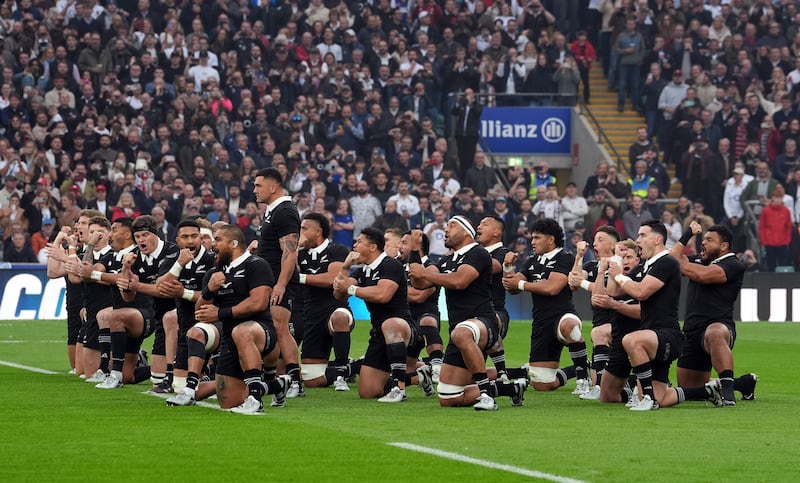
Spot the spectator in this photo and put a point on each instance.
(760, 189)
(20, 250)
(126, 207)
(480, 177)
(573, 207)
(634, 217)
(343, 223)
(391, 218)
(40, 239)
(366, 208)
(674, 228)
(69, 210)
(609, 217)
(775, 230)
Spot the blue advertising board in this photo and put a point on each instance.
(28, 294)
(527, 130)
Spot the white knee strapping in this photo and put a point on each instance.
(542, 374)
(574, 334)
(472, 326)
(449, 391)
(211, 334)
(313, 371)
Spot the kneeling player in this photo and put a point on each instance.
(555, 325)
(327, 321)
(394, 341)
(202, 339)
(467, 276)
(235, 293)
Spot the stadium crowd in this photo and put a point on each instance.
(130, 124)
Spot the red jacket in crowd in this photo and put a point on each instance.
(775, 226)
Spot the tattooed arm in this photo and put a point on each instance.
(288, 263)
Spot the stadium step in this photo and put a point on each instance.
(620, 127)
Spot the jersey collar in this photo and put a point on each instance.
(723, 257)
(374, 265)
(275, 203)
(121, 254)
(103, 251)
(239, 260)
(149, 259)
(196, 259)
(461, 251)
(314, 252)
(649, 263)
(492, 248)
(550, 255)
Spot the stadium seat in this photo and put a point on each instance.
(784, 269)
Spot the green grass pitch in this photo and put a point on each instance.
(57, 428)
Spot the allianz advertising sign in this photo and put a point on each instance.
(527, 130)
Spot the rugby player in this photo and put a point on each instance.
(605, 240)
(236, 292)
(277, 244)
(424, 306)
(394, 340)
(183, 283)
(466, 274)
(555, 323)
(327, 321)
(715, 280)
(652, 348)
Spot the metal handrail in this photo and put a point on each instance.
(751, 226)
(602, 137)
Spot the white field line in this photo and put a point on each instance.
(29, 368)
(484, 463)
(14, 341)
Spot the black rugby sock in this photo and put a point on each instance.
(192, 380)
(341, 348)
(516, 372)
(644, 373)
(726, 379)
(499, 360)
(118, 342)
(565, 373)
(600, 360)
(579, 356)
(255, 385)
(293, 370)
(141, 373)
(104, 338)
(396, 353)
(505, 388)
(484, 384)
(170, 373)
(431, 335)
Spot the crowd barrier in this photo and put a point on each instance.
(27, 294)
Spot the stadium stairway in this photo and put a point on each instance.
(620, 127)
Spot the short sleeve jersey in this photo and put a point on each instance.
(708, 302)
(599, 315)
(476, 299)
(390, 269)
(622, 324)
(74, 294)
(498, 291)
(320, 300)
(429, 305)
(191, 277)
(538, 268)
(278, 222)
(141, 301)
(660, 310)
(97, 296)
(241, 276)
(150, 267)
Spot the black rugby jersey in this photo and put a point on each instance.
(142, 302)
(622, 325)
(599, 315)
(431, 304)
(150, 267)
(538, 268)
(241, 276)
(281, 219)
(660, 310)
(708, 302)
(315, 261)
(498, 252)
(385, 267)
(476, 299)
(74, 295)
(97, 296)
(191, 278)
